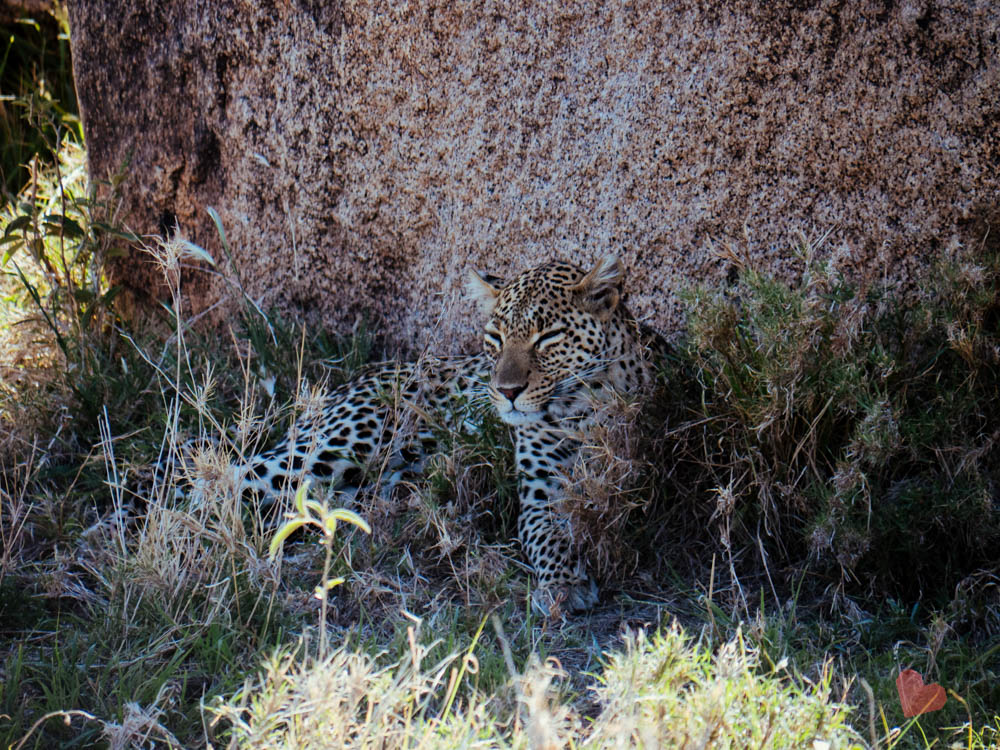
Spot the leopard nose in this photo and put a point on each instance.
(512, 393)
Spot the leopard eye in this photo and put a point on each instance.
(492, 339)
(543, 340)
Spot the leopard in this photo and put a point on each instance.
(557, 341)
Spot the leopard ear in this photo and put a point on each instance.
(600, 291)
(483, 289)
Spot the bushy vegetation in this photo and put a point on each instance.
(811, 507)
(35, 73)
(855, 428)
(663, 691)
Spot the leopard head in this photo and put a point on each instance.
(547, 332)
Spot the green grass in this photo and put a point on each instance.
(35, 73)
(810, 508)
(664, 691)
(858, 423)
(160, 620)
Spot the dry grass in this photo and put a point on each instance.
(134, 615)
(339, 700)
(609, 487)
(841, 426)
(156, 605)
(659, 692)
(15, 509)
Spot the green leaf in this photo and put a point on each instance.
(342, 514)
(284, 532)
(88, 316)
(317, 509)
(11, 250)
(67, 225)
(110, 295)
(320, 591)
(218, 225)
(300, 497)
(19, 223)
(115, 231)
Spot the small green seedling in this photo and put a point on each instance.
(313, 513)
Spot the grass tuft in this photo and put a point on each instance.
(813, 493)
(852, 429)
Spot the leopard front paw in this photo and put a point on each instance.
(552, 600)
(583, 596)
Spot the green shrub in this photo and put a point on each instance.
(663, 691)
(854, 427)
(36, 72)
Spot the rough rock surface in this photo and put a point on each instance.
(363, 154)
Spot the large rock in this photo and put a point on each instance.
(364, 154)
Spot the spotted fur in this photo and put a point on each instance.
(555, 340)
(382, 412)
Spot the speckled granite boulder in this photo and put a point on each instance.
(364, 154)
